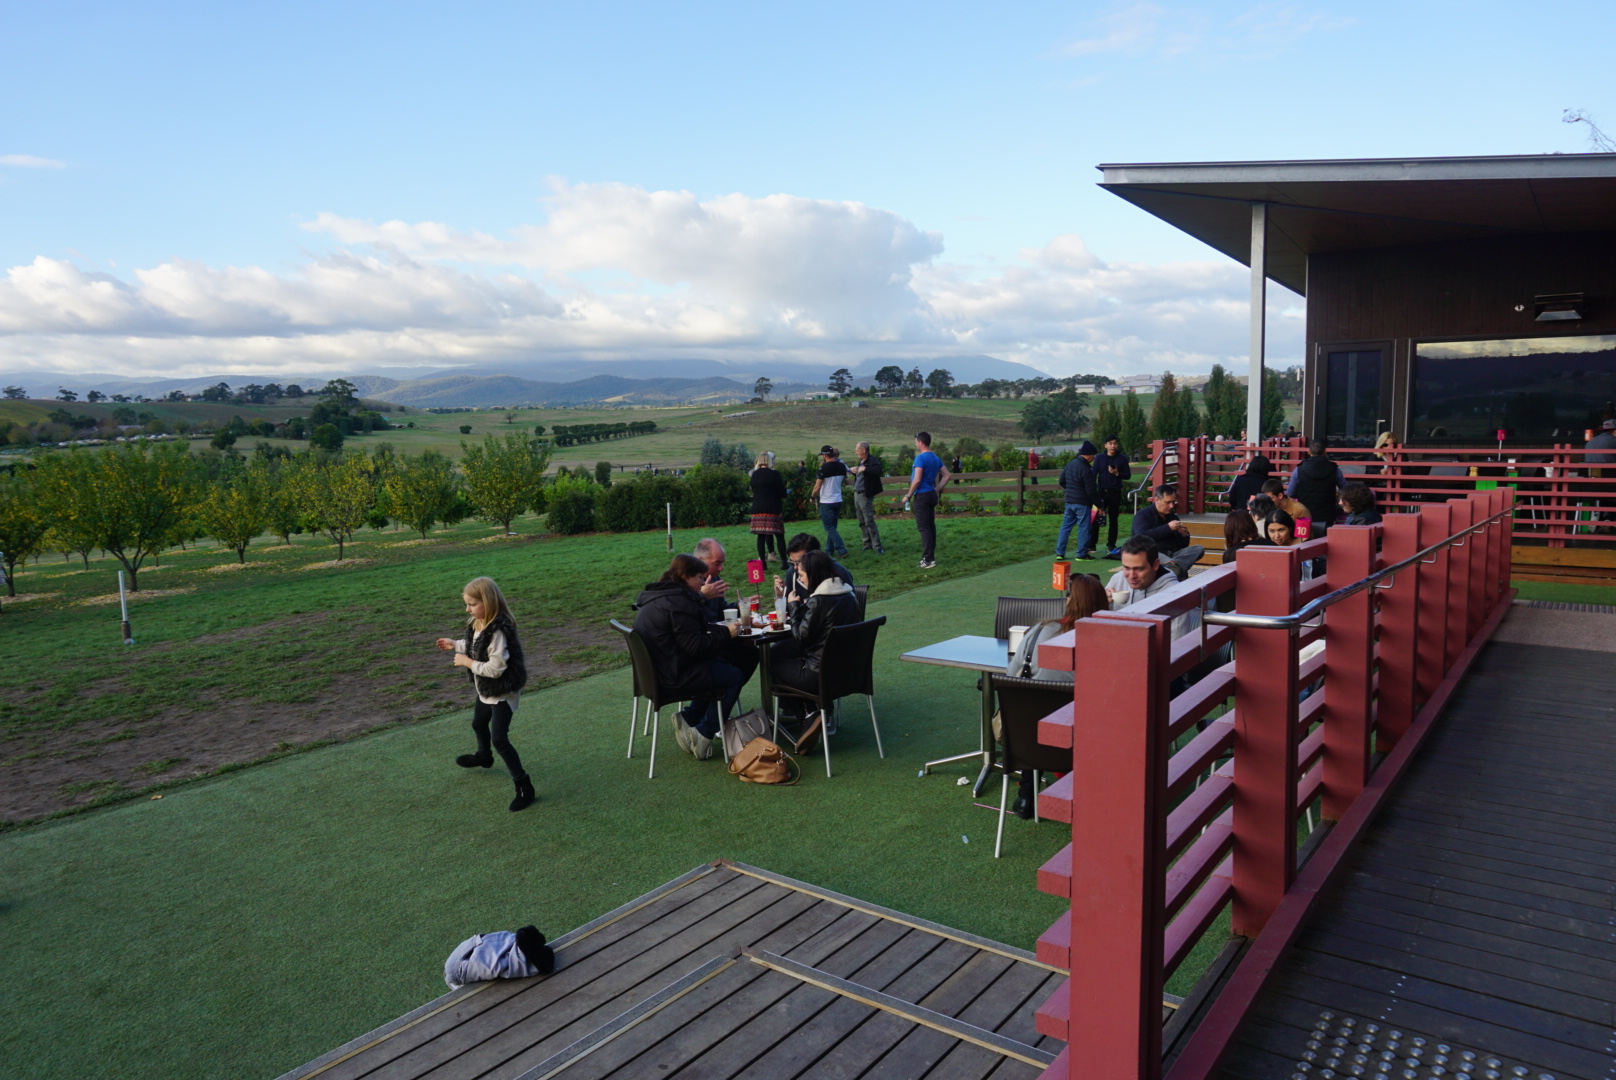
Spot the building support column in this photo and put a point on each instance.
(1259, 306)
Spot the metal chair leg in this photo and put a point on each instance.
(633, 722)
(645, 728)
(656, 725)
(1004, 801)
(878, 747)
(824, 737)
(1037, 785)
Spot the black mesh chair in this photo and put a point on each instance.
(1022, 703)
(634, 707)
(1025, 611)
(645, 686)
(861, 593)
(847, 666)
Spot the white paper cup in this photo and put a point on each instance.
(732, 614)
(1016, 634)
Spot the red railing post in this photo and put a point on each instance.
(1433, 618)
(1349, 650)
(1200, 473)
(1559, 500)
(1458, 581)
(1186, 475)
(1119, 786)
(1481, 554)
(1265, 738)
(1507, 558)
(1399, 629)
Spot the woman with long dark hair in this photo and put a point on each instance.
(688, 650)
(830, 604)
(1238, 531)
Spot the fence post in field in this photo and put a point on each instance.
(1265, 740)
(1399, 630)
(1349, 637)
(1119, 785)
(1435, 519)
(1021, 490)
(1458, 581)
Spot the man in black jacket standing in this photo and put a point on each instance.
(1111, 469)
(866, 486)
(1159, 521)
(1082, 492)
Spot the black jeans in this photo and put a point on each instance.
(924, 505)
(1111, 499)
(768, 541)
(497, 716)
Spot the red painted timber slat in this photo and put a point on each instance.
(1199, 754)
(1198, 808)
(1399, 629)
(1209, 849)
(1055, 944)
(1060, 1068)
(1184, 931)
(1054, 1016)
(1055, 876)
(1434, 519)
(1056, 728)
(1055, 801)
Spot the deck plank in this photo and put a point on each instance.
(1480, 908)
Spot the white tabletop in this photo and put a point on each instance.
(966, 651)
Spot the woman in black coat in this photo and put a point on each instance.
(768, 509)
(687, 650)
(830, 604)
(1250, 482)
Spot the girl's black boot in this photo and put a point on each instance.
(524, 794)
(475, 761)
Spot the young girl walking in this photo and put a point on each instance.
(491, 653)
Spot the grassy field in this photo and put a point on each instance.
(238, 663)
(250, 922)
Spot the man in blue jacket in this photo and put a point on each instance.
(1111, 469)
(1082, 492)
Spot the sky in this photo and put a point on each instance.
(191, 189)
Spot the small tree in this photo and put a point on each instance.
(421, 490)
(141, 498)
(1108, 419)
(326, 437)
(1135, 430)
(465, 429)
(841, 381)
(603, 473)
(940, 381)
(65, 488)
(503, 476)
(763, 387)
(237, 509)
(64, 394)
(22, 523)
(282, 513)
(337, 495)
(913, 382)
(890, 378)
(341, 392)
(1273, 405)
(15, 393)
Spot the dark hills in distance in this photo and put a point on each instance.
(672, 381)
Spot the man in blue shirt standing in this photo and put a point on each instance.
(929, 479)
(828, 492)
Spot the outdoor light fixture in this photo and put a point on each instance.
(1557, 307)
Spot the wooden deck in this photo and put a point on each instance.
(1473, 932)
(730, 971)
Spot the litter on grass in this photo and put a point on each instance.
(962, 781)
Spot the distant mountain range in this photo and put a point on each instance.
(575, 382)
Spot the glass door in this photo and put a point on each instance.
(1355, 401)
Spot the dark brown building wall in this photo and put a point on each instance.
(1466, 289)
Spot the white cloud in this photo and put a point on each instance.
(618, 271)
(29, 161)
(1143, 28)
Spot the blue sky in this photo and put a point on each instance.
(291, 187)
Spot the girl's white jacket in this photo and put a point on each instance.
(486, 956)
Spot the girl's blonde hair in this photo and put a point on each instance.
(764, 459)
(486, 591)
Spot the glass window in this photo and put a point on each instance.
(1352, 413)
(1539, 390)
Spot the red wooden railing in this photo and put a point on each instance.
(1164, 840)
(1560, 494)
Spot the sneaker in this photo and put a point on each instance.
(700, 745)
(683, 733)
(928, 564)
(880, 551)
(1085, 555)
(1114, 553)
(1060, 554)
(475, 761)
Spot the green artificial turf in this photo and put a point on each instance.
(247, 923)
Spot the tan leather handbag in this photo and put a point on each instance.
(762, 762)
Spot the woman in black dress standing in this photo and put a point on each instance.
(768, 509)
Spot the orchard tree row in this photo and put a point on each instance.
(137, 500)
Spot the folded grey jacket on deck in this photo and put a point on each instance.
(486, 956)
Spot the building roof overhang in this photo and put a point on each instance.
(1324, 206)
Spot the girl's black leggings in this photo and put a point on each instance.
(765, 541)
(498, 717)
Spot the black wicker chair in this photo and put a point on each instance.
(847, 666)
(645, 686)
(861, 593)
(634, 710)
(1022, 703)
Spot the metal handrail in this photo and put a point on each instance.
(1295, 619)
(1150, 472)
